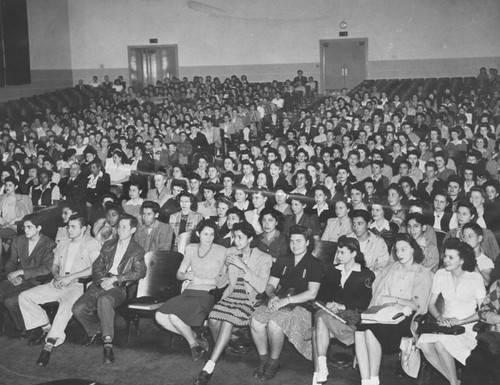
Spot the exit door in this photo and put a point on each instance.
(343, 63)
(149, 64)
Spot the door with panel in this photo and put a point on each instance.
(343, 63)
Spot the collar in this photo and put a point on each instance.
(385, 226)
(356, 267)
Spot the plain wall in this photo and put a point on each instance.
(266, 39)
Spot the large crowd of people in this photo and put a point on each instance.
(358, 200)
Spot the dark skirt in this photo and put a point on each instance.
(388, 335)
(192, 306)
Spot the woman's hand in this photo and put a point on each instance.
(448, 322)
(272, 303)
(280, 303)
(189, 276)
(334, 306)
(236, 261)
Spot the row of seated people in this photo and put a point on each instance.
(296, 277)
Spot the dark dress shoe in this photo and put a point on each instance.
(37, 337)
(203, 342)
(203, 378)
(108, 357)
(270, 371)
(197, 352)
(44, 358)
(92, 340)
(259, 372)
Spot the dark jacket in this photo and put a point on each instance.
(131, 267)
(37, 266)
(74, 190)
(94, 195)
(357, 290)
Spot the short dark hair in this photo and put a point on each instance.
(12, 180)
(277, 215)
(474, 227)
(360, 213)
(246, 228)
(208, 223)
(132, 220)
(34, 218)
(80, 218)
(305, 232)
(237, 211)
(155, 206)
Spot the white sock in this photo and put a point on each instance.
(375, 380)
(366, 382)
(209, 367)
(46, 328)
(315, 376)
(322, 369)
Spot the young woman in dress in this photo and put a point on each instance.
(404, 282)
(463, 291)
(247, 273)
(202, 265)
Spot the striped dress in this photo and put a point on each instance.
(236, 308)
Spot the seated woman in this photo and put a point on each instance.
(186, 220)
(463, 292)
(134, 204)
(248, 271)
(347, 290)
(205, 261)
(473, 236)
(380, 225)
(271, 241)
(341, 225)
(404, 282)
(222, 205)
(298, 277)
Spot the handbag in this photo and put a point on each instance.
(410, 356)
(431, 328)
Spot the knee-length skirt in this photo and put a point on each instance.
(459, 346)
(236, 308)
(192, 306)
(389, 335)
(295, 323)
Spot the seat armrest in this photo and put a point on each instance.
(85, 281)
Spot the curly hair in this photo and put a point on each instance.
(465, 253)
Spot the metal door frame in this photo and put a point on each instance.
(322, 57)
(155, 46)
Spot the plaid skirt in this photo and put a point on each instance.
(236, 308)
(295, 323)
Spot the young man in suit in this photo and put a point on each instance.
(73, 258)
(153, 235)
(120, 260)
(29, 265)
